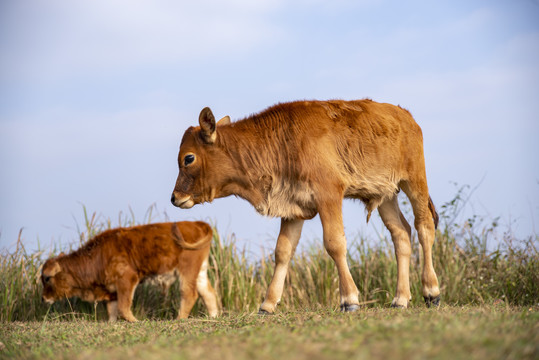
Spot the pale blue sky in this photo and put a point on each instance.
(95, 96)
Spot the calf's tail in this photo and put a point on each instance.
(178, 238)
(435, 216)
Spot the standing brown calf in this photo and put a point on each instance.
(109, 267)
(299, 159)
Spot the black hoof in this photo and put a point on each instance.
(395, 306)
(432, 301)
(349, 307)
(264, 312)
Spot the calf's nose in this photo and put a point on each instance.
(172, 199)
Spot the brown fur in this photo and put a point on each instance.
(299, 159)
(109, 267)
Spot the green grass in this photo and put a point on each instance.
(468, 274)
(490, 303)
(477, 332)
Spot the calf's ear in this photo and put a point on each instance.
(56, 268)
(207, 125)
(224, 121)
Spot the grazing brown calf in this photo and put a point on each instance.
(109, 267)
(299, 159)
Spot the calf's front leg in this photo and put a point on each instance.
(112, 310)
(126, 286)
(284, 250)
(335, 244)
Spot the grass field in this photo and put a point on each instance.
(469, 332)
(490, 305)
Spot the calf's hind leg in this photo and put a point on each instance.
(189, 295)
(206, 291)
(418, 194)
(400, 234)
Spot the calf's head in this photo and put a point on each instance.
(57, 284)
(202, 163)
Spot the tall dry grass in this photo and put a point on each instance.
(469, 270)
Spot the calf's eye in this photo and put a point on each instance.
(188, 159)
